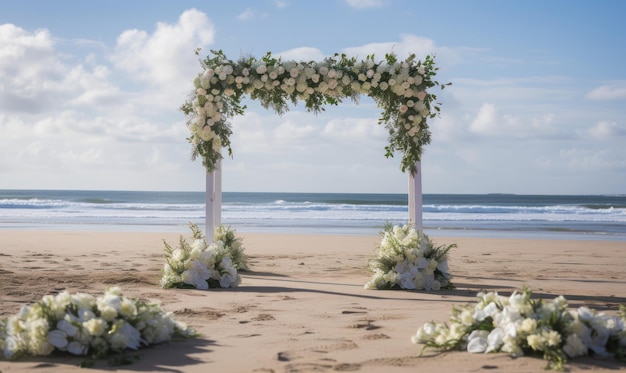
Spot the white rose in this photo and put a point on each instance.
(128, 308)
(96, 327)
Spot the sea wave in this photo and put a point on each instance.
(340, 211)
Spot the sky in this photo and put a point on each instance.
(90, 93)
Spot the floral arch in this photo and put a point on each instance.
(400, 89)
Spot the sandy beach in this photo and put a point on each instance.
(302, 306)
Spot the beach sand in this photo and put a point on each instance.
(302, 306)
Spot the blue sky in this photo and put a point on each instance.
(90, 91)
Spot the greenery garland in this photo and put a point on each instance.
(400, 89)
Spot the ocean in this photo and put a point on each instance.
(590, 217)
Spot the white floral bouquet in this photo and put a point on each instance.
(520, 325)
(408, 259)
(85, 325)
(203, 266)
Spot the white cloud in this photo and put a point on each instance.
(165, 57)
(448, 128)
(486, 120)
(489, 122)
(31, 71)
(408, 44)
(364, 131)
(613, 91)
(363, 4)
(246, 14)
(250, 13)
(302, 54)
(292, 134)
(604, 130)
(281, 4)
(586, 159)
(62, 119)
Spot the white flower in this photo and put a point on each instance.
(228, 280)
(77, 348)
(67, 327)
(407, 281)
(37, 337)
(536, 342)
(128, 308)
(477, 341)
(197, 275)
(109, 306)
(95, 327)
(124, 336)
(58, 339)
(495, 339)
(574, 346)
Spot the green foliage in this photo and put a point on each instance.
(393, 84)
(234, 245)
(408, 259)
(522, 325)
(221, 259)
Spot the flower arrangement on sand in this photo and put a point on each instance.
(200, 265)
(408, 259)
(81, 324)
(520, 325)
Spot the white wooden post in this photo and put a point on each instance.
(415, 196)
(213, 198)
(210, 206)
(217, 207)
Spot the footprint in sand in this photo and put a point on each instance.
(263, 317)
(373, 337)
(366, 325)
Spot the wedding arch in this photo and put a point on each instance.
(399, 87)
